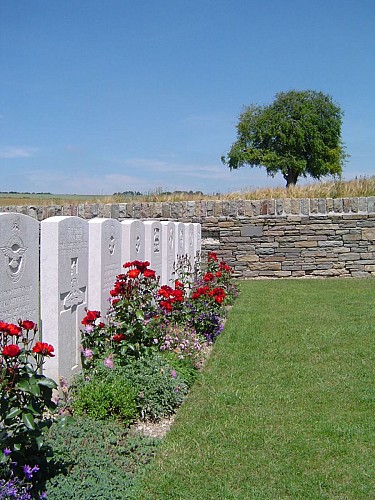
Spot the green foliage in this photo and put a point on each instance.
(25, 397)
(159, 389)
(95, 459)
(185, 367)
(299, 134)
(105, 398)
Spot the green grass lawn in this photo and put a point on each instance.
(285, 407)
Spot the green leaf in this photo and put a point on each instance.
(39, 441)
(24, 385)
(48, 382)
(28, 420)
(13, 412)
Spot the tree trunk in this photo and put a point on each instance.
(291, 178)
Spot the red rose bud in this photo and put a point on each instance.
(11, 351)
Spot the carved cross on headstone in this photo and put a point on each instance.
(70, 302)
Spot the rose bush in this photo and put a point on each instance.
(25, 401)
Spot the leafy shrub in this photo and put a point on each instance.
(25, 407)
(105, 398)
(159, 387)
(95, 460)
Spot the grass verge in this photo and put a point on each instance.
(285, 405)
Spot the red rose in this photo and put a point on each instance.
(92, 315)
(11, 351)
(212, 257)
(208, 277)
(28, 325)
(178, 284)
(133, 273)
(118, 337)
(149, 273)
(101, 324)
(4, 326)
(44, 349)
(218, 274)
(14, 330)
(128, 264)
(115, 301)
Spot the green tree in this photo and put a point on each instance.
(299, 134)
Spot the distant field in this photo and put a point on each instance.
(362, 186)
(49, 199)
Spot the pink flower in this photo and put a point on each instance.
(108, 362)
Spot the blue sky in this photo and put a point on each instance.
(100, 96)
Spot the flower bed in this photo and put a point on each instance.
(138, 362)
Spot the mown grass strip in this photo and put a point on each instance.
(285, 405)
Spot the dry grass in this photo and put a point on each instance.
(361, 186)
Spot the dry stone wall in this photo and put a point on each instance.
(263, 238)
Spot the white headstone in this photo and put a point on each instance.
(168, 230)
(64, 280)
(197, 240)
(153, 245)
(132, 241)
(104, 261)
(189, 242)
(19, 268)
(180, 239)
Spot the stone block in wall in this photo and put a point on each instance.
(352, 236)
(322, 207)
(32, 212)
(349, 256)
(266, 266)
(305, 244)
(354, 205)
(371, 204)
(295, 206)
(255, 204)
(251, 230)
(329, 205)
(368, 233)
(305, 206)
(122, 213)
(248, 258)
(346, 205)
(279, 207)
(115, 212)
(287, 206)
(338, 205)
(207, 208)
(248, 208)
(283, 274)
(313, 206)
(217, 209)
(362, 204)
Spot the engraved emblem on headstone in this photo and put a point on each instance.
(111, 244)
(75, 295)
(14, 253)
(138, 243)
(170, 238)
(156, 240)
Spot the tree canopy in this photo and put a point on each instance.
(299, 134)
